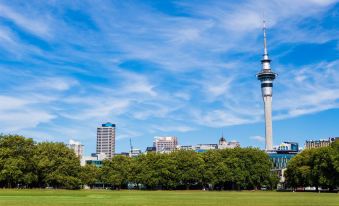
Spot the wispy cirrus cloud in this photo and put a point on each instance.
(258, 138)
(28, 22)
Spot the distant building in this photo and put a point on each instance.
(205, 147)
(106, 139)
(126, 154)
(281, 155)
(150, 149)
(288, 147)
(223, 144)
(135, 152)
(165, 144)
(94, 159)
(320, 143)
(185, 147)
(77, 147)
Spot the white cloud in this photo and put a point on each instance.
(172, 128)
(258, 138)
(316, 91)
(136, 83)
(220, 118)
(17, 114)
(29, 23)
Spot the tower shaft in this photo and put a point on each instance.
(268, 122)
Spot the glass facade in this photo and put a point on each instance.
(97, 163)
(280, 160)
(108, 124)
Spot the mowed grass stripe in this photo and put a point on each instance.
(162, 198)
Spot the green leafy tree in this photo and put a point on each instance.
(89, 175)
(155, 170)
(247, 168)
(149, 171)
(116, 171)
(167, 171)
(257, 166)
(334, 153)
(300, 171)
(314, 167)
(136, 168)
(189, 167)
(57, 166)
(16, 164)
(272, 181)
(325, 170)
(216, 171)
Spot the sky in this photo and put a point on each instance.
(167, 68)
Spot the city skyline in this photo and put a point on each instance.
(167, 68)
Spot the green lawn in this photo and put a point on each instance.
(159, 198)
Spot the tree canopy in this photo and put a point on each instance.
(317, 167)
(25, 163)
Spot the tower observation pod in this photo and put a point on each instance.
(266, 77)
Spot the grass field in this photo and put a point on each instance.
(162, 198)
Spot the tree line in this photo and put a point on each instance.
(317, 167)
(25, 163)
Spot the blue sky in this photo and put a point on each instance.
(183, 68)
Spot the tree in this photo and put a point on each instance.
(116, 171)
(89, 175)
(147, 171)
(216, 172)
(257, 166)
(247, 168)
(325, 170)
(16, 165)
(57, 166)
(189, 167)
(334, 154)
(136, 167)
(300, 170)
(314, 167)
(272, 181)
(167, 167)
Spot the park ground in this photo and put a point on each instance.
(37, 197)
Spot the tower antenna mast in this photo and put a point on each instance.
(130, 144)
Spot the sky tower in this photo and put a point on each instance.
(266, 77)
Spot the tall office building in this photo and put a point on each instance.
(77, 147)
(165, 144)
(106, 139)
(266, 77)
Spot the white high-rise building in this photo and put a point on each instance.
(266, 77)
(106, 139)
(165, 144)
(77, 147)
